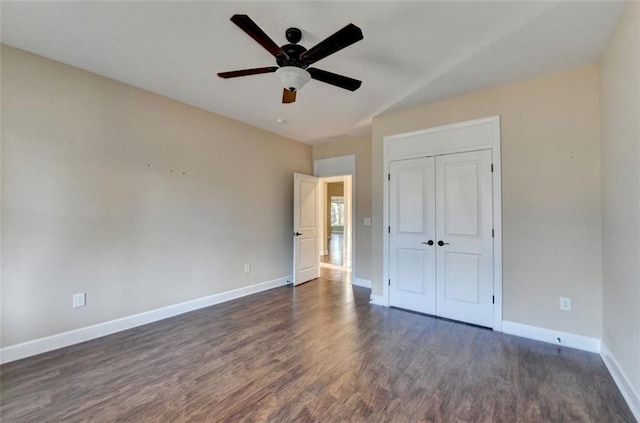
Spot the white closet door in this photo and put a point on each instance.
(464, 251)
(412, 226)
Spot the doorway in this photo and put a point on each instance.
(334, 248)
(336, 219)
(335, 170)
(323, 227)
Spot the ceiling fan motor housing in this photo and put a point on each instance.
(293, 51)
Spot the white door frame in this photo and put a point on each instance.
(341, 166)
(458, 137)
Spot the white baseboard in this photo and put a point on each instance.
(60, 340)
(629, 394)
(365, 283)
(377, 300)
(550, 336)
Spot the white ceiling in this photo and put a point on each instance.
(412, 53)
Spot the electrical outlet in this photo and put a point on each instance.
(565, 303)
(247, 268)
(79, 300)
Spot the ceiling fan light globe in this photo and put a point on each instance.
(293, 78)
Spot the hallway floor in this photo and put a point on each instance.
(336, 254)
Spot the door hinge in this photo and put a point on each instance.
(493, 233)
(491, 167)
(389, 282)
(388, 176)
(389, 229)
(493, 299)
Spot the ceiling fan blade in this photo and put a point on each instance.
(344, 38)
(334, 79)
(288, 96)
(247, 72)
(254, 31)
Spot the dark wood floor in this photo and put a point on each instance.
(318, 352)
(336, 253)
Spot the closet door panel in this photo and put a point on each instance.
(412, 225)
(464, 255)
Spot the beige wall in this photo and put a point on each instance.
(620, 67)
(138, 200)
(550, 188)
(335, 189)
(361, 148)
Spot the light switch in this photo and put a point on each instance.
(367, 221)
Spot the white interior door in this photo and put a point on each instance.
(464, 250)
(306, 228)
(412, 235)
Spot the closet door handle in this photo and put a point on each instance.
(430, 242)
(441, 243)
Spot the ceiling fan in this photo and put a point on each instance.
(293, 60)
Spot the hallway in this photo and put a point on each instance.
(336, 251)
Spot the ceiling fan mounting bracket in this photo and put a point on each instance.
(294, 35)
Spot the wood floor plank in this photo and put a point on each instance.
(315, 353)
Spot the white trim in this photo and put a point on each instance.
(410, 145)
(333, 179)
(65, 339)
(629, 394)
(551, 336)
(365, 283)
(378, 300)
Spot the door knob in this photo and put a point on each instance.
(297, 234)
(430, 242)
(441, 243)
